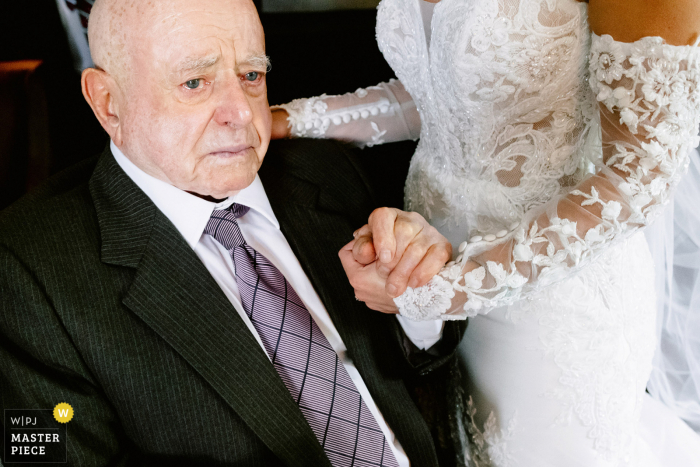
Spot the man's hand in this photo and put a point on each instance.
(408, 251)
(368, 284)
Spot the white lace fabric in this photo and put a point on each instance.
(375, 115)
(650, 111)
(547, 149)
(649, 108)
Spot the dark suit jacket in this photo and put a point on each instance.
(106, 307)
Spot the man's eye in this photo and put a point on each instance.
(252, 75)
(192, 84)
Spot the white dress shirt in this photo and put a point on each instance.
(190, 215)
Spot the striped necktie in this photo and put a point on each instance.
(301, 354)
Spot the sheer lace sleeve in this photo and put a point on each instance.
(379, 114)
(649, 106)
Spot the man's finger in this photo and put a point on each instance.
(381, 222)
(382, 308)
(348, 246)
(364, 230)
(363, 251)
(348, 261)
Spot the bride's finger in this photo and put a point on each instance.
(397, 281)
(404, 236)
(435, 258)
(408, 229)
(381, 223)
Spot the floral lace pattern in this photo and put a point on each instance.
(649, 93)
(508, 127)
(305, 117)
(369, 116)
(548, 148)
(428, 302)
(310, 117)
(490, 445)
(602, 311)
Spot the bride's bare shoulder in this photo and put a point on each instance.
(677, 21)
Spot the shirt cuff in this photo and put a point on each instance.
(423, 334)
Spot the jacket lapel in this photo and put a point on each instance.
(327, 199)
(175, 295)
(309, 207)
(363, 331)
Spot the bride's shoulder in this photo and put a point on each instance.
(677, 21)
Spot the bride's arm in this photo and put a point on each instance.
(649, 99)
(378, 114)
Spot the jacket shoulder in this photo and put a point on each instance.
(59, 210)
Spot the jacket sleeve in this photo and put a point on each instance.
(422, 362)
(40, 367)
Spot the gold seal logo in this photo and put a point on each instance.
(63, 413)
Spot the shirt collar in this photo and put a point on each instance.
(188, 213)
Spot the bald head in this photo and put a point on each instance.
(179, 86)
(111, 25)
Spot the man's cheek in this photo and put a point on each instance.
(266, 124)
(263, 126)
(178, 133)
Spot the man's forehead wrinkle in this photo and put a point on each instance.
(123, 29)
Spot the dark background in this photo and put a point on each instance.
(312, 53)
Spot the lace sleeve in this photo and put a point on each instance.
(379, 114)
(649, 106)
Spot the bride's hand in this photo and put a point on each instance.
(280, 126)
(408, 250)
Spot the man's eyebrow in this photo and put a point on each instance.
(195, 64)
(260, 61)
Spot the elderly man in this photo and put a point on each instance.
(188, 315)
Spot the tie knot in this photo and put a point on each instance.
(223, 226)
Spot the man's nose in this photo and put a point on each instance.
(233, 109)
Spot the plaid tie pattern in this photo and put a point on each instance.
(301, 354)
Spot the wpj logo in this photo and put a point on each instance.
(36, 435)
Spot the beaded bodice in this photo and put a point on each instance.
(540, 142)
(543, 150)
(505, 106)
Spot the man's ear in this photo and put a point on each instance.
(100, 91)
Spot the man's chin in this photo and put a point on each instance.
(220, 190)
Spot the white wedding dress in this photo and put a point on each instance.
(544, 150)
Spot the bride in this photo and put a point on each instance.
(545, 148)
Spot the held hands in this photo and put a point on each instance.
(395, 250)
